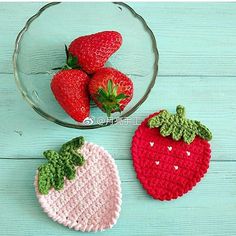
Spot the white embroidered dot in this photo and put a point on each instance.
(176, 167)
(169, 148)
(157, 162)
(188, 153)
(151, 144)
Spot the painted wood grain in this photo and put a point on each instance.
(209, 209)
(193, 38)
(197, 45)
(13, 17)
(209, 100)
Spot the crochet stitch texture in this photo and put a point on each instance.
(178, 126)
(60, 164)
(167, 168)
(91, 201)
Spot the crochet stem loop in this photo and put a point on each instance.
(180, 111)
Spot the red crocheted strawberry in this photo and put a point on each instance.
(111, 90)
(91, 52)
(170, 153)
(70, 88)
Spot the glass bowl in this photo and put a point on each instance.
(40, 47)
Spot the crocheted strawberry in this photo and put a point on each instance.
(79, 186)
(70, 88)
(170, 153)
(91, 52)
(111, 90)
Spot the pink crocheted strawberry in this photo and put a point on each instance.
(79, 186)
(170, 153)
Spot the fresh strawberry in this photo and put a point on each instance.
(70, 88)
(111, 90)
(91, 52)
(170, 154)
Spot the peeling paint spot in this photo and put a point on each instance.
(19, 132)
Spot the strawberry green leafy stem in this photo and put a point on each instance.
(71, 62)
(109, 98)
(60, 165)
(178, 126)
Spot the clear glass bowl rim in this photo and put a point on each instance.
(78, 126)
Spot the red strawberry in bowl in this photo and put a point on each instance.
(170, 154)
(70, 88)
(111, 90)
(91, 52)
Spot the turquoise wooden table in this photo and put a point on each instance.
(197, 45)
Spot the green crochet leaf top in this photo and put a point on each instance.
(178, 126)
(60, 165)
